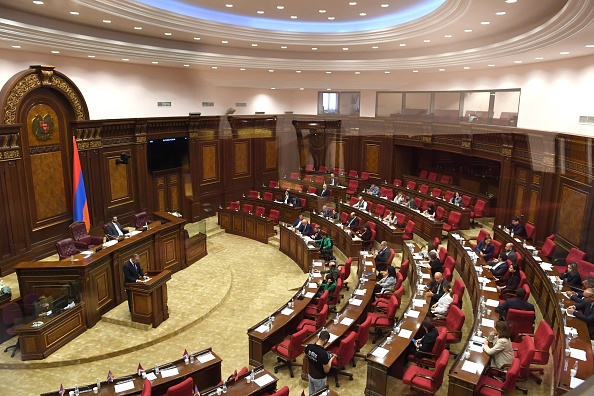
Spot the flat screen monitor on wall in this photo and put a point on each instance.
(169, 153)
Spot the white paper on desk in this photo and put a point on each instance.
(473, 367)
(356, 238)
(537, 259)
(575, 382)
(356, 302)
(369, 263)
(480, 340)
(264, 380)
(405, 333)
(312, 285)
(475, 348)
(577, 354)
(418, 302)
(553, 278)
(133, 233)
(568, 330)
(287, 311)
(309, 295)
(332, 338)
(363, 252)
(468, 249)
(260, 329)
(517, 240)
(413, 314)
(482, 279)
(380, 352)
(110, 243)
(87, 252)
(151, 376)
(425, 276)
(169, 372)
(360, 292)
(124, 386)
(207, 357)
(392, 227)
(492, 303)
(417, 256)
(488, 323)
(317, 275)
(546, 266)
(347, 321)
(490, 289)
(317, 263)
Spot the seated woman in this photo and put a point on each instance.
(385, 284)
(328, 284)
(425, 343)
(511, 282)
(399, 198)
(430, 211)
(411, 203)
(441, 308)
(390, 219)
(326, 246)
(502, 351)
(485, 249)
(572, 277)
(457, 199)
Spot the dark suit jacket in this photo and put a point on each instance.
(353, 223)
(574, 280)
(427, 343)
(514, 303)
(512, 256)
(366, 236)
(437, 291)
(307, 230)
(327, 213)
(383, 255)
(500, 270)
(487, 251)
(333, 182)
(111, 230)
(131, 274)
(512, 281)
(436, 266)
(287, 199)
(518, 230)
(325, 193)
(586, 314)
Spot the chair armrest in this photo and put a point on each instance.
(455, 332)
(522, 335)
(379, 317)
(80, 245)
(422, 376)
(491, 387)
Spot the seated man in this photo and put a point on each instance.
(485, 249)
(332, 271)
(297, 222)
(361, 203)
(305, 228)
(114, 229)
(365, 235)
(497, 267)
(326, 211)
(353, 222)
(328, 284)
(510, 251)
(435, 288)
(587, 310)
(434, 262)
(317, 234)
(374, 190)
(578, 296)
(295, 201)
(325, 191)
(517, 302)
(517, 228)
(333, 181)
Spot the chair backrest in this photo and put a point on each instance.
(29, 303)
(298, 187)
(309, 167)
(454, 219)
(439, 212)
(364, 175)
(543, 339)
(424, 189)
(520, 321)
(458, 288)
(363, 333)
(234, 205)
(585, 268)
(185, 388)
(548, 248)
(379, 209)
(11, 313)
(440, 342)
(322, 168)
(284, 391)
(411, 185)
(323, 300)
(398, 293)
(404, 270)
(248, 208)
(522, 281)
(308, 178)
(448, 195)
(424, 174)
(418, 202)
(400, 218)
(344, 217)
(353, 201)
(455, 318)
(303, 202)
(496, 247)
(442, 254)
(347, 267)
(426, 205)
(295, 344)
(446, 179)
(436, 243)
(336, 295)
(439, 370)
(436, 192)
(447, 274)
(78, 230)
(432, 176)
(525, 352)
(526, 288)
(66, 248)
(479, 208)
(353, 185)
(575, 255)
(294, 176)
(466, 200)
(369, 206)
(147, 388)
(529, 231)
(322, 317)
(392, 307)
(481, 235)
(311, 190)
(274, 215)
(392, 254)
(338, 171)
(353, 173)
(389, 193)
(260, 211)
(253, 194)
(450, 264)
(273, 184)
(319, 179)
(285, 185)
(511, 377)
(346, 350)
(268, 196)
(397, 182)
(410, 227)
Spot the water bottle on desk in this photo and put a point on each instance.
(156, 369)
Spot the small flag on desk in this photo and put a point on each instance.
(186, 354)
(303, 392)
(110, 376)
(62, 391)
(234, 376)
(196, 391)
(140, 370)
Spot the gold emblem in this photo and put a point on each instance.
(43, 127)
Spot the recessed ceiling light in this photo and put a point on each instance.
(168, 34)
(283, 47)
(301, 89)
(357, 72)
(491, 65)
(55, 52)
(328, 89)
(186, 65)
(242, 69)
(280, 7)
(375, 47)
(441, 69)
(16, 46)
(214, 67)
(564, 53)
(448, 36)
(331, 18)
(500, 13)
(345, 48)
(293, 16)
(352, 3)
(229, 5)
(260, 12)
(362, 13)
(485, 23)
(466, 67)
(322, 11)
(518, 61)
(74, 13)
(426, 41)
(137, 27)
(90, 56)
(254, 45)
(415, 71)
(589, 45)
(272, 88)
(402, 45)
(511, 1)
(125, 59)
(385, 5)
(38, 2)
(539, 58)
(297, 71)
(271, 70)
(328, 72)
(314, 48)
(106, 21)
(155, 62)
(196, 38)
(386, 72)
(467, 30)
(224, 42)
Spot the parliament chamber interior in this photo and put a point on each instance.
(197, 195)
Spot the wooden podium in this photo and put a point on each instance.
(149, 299)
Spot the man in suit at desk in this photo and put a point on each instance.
(517, 228)
(325, 191)
(114, 229)
(326, 211)
(435, 288)
(353, 222)
(587, 310)
(297, 222)
(374, 190)
(305, 228)
(516, 302)
(578, 296)
(498, 267)
(333, 181)
(133, 273)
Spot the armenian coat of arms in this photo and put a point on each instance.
(43, 127)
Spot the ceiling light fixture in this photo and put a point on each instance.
(38, 2)
(224, 42)
(328, 72)
(499, 13)
(491, 65)
(485, 23)
(242, 68)
(322, 11)
(272, 88)
(301, 89)
(280, 7)
(314, 48)
(448, 36)
(155, 62)
(297, 71)
(385, 5)
(328, 89)
(271, 70)
(362, 13)
(518, 61)
(441, 69)
(589, 45)
(511, 1)
(331, 18)
(539, 58)
(402, 45)
(90, 56)
(16, 46)
(386, 72)
(214, 67)
(196, 38)
(283, 47)
(106, 21)
(293, 16)
(125, 59)
(186, 65)
(168, 34)
(352, 3)
(467, 30)
(254, 45)
(426, 41)
(74, 13)
(260, 12)
(229, 5)
(357, 72)
(137, 28)
(466, 67)
(375, 47)
(564, 53)
(415, 71)
(55, 52)
(345, 48)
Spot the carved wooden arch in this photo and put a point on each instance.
(38, 76)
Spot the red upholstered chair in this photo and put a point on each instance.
(352, 187)
(365, 176)
(448, 195)
(397, 182)
(322, 168)
(400, 219)
(389, 193)
(312, 325)
(185, 388)
(426, 205)
(139, 220)
(458, 290)
(381, 266)
(285, 185)
(294, 176)
(525, 353)
(288, 350)
(234, 205)
(313, 309)
(303, 202)
(248, 208)
(424, 174)
(29, 303)
(436, 192)
(335, 298)
(450, 264)
(543, 339)
(548, 248)
(408, 230)
(308, 178)
(353, 201)
(418, 202)
(436, 243)
(488, 386)
(298, 187)
(147, 388)
(585, 268)
(309, 168)
(273, 184)
(432, 176)
(344, 352)
(344, 217)
(274, 215)
(369, 206)
(424, 189)
(338, 171)
(404, 269)
(425, 381)
(478, 211)
(361, 338)
(453, 222)
(429, 359)
(445, 179)
(453, 322)
(319, 179)
(268, 196)
(66, 248)
(379, 210)
(369, 244)
(496, 247)
(411, 185)
(529, 231)
(573, 256)
(253, 194)
(284, 391)
(82, 239)
(447, 274)
(311, 190)
(439, 212)
(386, 320)
(442, 254)
(353, 173)
(347, 272)
(520, 322)
(481, 235)
(466, 201)
(260, 211)
(11, 317)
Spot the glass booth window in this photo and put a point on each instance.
(343, 103)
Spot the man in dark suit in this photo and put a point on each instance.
(325, 191)
(133, 273)
(499, 267)
(435, 288)
(510, 251)
(516, 302)
(384, 254)
(306, 228)
(353, 222)
(578, 296)
(517, 228)
(333, 181)
(297, 222)
(587, 310)
(317, 233)
(114, 229)
(326, 211)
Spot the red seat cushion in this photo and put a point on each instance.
(418, 381)
(488, 391)
(282, 351)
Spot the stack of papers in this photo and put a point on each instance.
(260, 329)
(537, 259)
(356, 302)
(347, 321)
(546, 266)
(264, 380)
(404, 333)
(360, 292)
(151, 376)
(475, 348)
(309, 295)
(425, 276)
(332, 338)
(488, 323)
(577, 354)
(287, 311)
(490, 289)
(419, 303)
(413, 314)
(575, 382)
(492, 303)
(480, 340)
(206, 357)
(473, 367)
(380, 352)
(312, 285)
(169, 372)
(124, 386)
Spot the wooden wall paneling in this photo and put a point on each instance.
(211, 172)
(506, 198)
(174, 187)
(402, 161)
(574, 213)
(142, 174)
(371, 156)
(353, 159)
(118, 186)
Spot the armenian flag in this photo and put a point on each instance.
(140, 369)
(80, 211)
(196, 391)
(110, 376)
(234, 376)
(62, 391)
(186, 354)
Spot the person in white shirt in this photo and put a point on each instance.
(442, 306)
(114, 229)
(399, 198)
(361, 204)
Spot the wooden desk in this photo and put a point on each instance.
(293, 245)
(246, 225)
(340, 238)
(384, 232)
(149, 299)
(312, 201)
(548, 300)
(288, 214)
(425, 227)
(39, 342)
(439, 201)
(338, 192)
(378, 369)
(205, 375)
(100, 277)
(242, 388)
